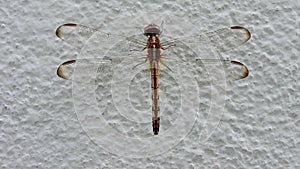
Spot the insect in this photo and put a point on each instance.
(225, 38)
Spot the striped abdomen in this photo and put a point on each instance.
(155, 96)
(154, 47)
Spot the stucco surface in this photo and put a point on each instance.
(260, 125)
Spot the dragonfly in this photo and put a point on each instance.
(152, 47)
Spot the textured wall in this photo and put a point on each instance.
(260, 127)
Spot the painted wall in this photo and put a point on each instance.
(259, 127)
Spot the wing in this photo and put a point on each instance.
(75, 35)
(87, 70)
(223, 39)
(207, 70)
(78, 35)
(234, 70)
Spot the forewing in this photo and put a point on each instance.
(223, 39)
(78, 35)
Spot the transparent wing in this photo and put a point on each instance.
(87, 70)
(234, 70)
(75, 35)
(223, 39)
(78, 35)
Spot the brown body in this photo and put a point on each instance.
(154, 48)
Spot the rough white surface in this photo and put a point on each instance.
(261, 124)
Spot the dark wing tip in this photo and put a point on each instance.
(245, 69)
(248, 34)
(58, 30)
(59, 71)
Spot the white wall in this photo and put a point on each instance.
(260, 124)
